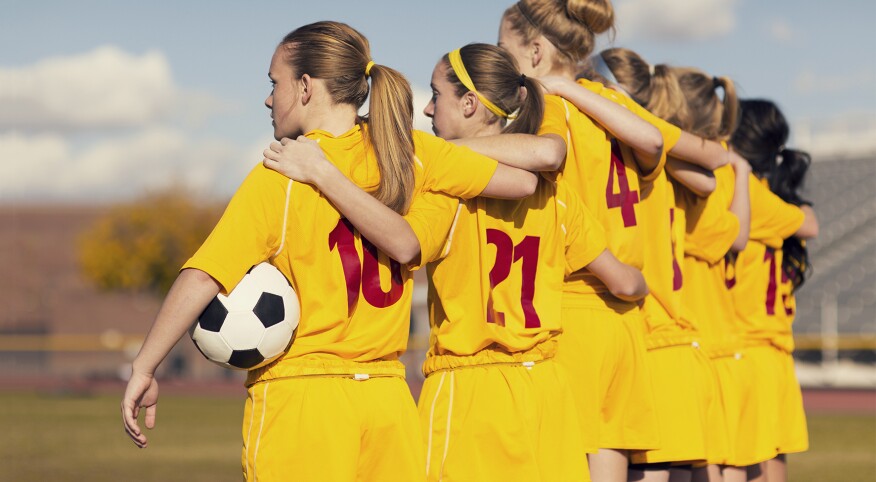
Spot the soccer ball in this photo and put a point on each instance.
(253, 325)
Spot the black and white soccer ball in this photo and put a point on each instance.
(251, 326)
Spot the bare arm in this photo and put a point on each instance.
(809, 229)
(700, 181)
(696, 150)
(622, 280)
(187, 298)
(533, 153)
(384, 227)
(643, 138)
(510, 183)
(741, 203)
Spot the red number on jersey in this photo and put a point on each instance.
(730, 270)
(506, 255)
(676, 269)
(770, 255)
(624, 199)
(343, 238)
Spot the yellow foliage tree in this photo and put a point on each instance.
(140, 246)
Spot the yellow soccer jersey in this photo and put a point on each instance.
(758, 268)
(664, 252)
(355, 301)
(604, 173)
(711, 230)
(500, 286)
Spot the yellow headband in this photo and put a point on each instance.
(459, 68)
(368, 68)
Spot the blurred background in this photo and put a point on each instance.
(125, 128)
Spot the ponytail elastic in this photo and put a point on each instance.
(459, 68)
(368, 68)
(522, 80)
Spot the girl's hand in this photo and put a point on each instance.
(555, 85)
(142, 392)
(739, 163)
(301, 159)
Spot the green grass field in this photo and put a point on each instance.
(70, 438)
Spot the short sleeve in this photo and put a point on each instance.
(451, 169)
(432, 217)
(584, 236)
(249, 232)
(772, 219)
(554, 120)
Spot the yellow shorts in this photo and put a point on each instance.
(746, 423)
(331, 428)
(501, 422)
(682, 393)
(793, 434)
(717, 440)
(603, 352)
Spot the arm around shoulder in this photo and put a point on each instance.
(622, 280)
(809, 228)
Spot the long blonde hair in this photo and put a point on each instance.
(339, 55)
(496, 76)
(570, 25)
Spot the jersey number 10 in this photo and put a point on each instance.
(364, 273)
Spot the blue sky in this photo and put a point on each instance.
(102, 100)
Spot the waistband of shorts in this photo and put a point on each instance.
(541, 352)
(783, 343)
(605, 301)
(659, 340)
(333, 367)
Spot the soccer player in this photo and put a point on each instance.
(774, 258)
(335, 407)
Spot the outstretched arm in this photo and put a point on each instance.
(741, 203)
(187, 298)
(525, 151)
(698, 180)
(643, 138)
(701, 152)
(622, 280)
(303, 161)
(809, 229)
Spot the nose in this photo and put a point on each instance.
(269, 101)
(429, 110)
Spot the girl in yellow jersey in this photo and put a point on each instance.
(495, 405)
(334, 407)
(774, 258)
(609, 163)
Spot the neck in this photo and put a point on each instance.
(335, 119)
(491, 129)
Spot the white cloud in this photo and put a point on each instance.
(810, 82)
(781, 31)
(103, 88)
(850, 134)
(47, 167)
(675, 20)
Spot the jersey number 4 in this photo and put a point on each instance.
(624, 199)
(364, 274)
(506, 255)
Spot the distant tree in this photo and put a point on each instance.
(140, 246)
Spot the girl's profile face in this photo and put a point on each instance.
(444, 108)
(284, 96)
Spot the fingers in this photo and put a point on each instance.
(129, 419)
(277, 146)
(150, 416)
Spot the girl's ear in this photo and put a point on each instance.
(537, 51)
(305, 88)
(469, 103)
